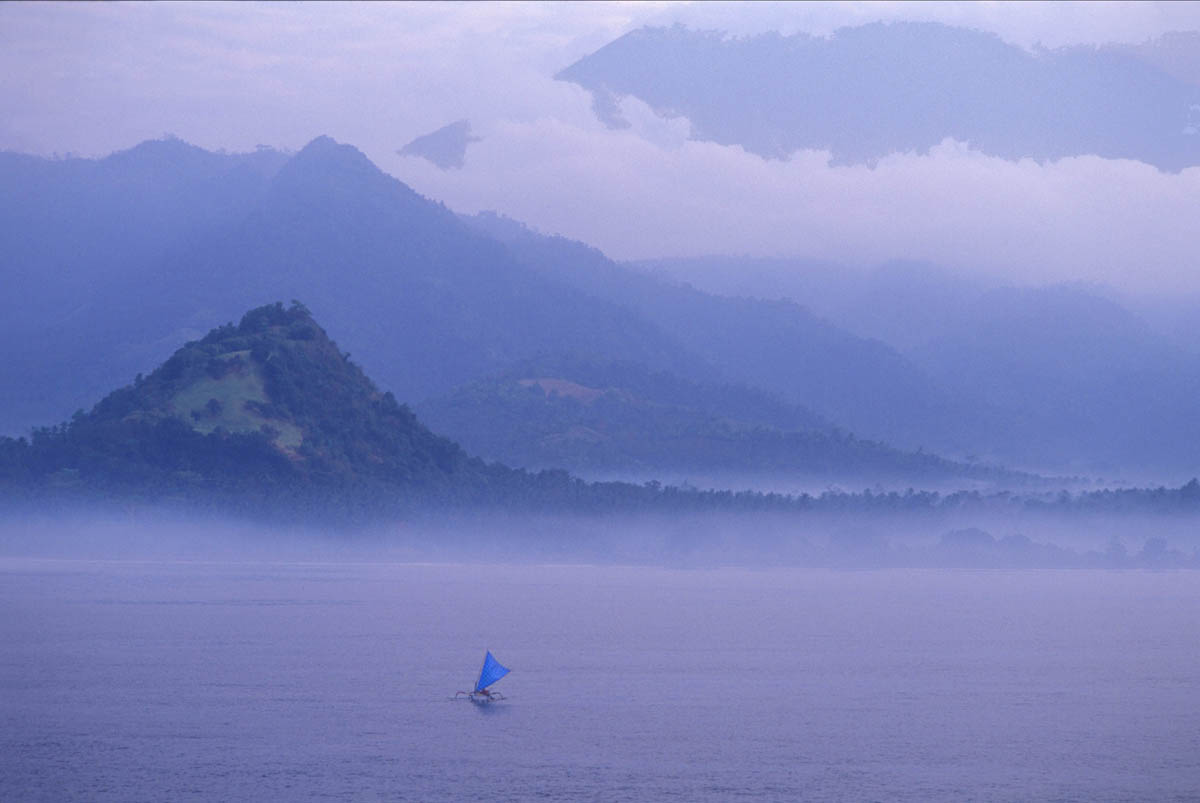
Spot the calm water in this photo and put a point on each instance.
(173, 681)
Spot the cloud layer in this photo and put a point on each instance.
(96, 78)
(648, 192)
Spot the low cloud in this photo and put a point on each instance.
(648, 191)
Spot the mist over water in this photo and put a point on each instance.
(967, 538)
(177, 679)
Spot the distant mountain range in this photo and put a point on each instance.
(114, 262)
(777, 345)
(904, 304)
(1075, 380)
(869, 91)
(426, 301)
(102, 276)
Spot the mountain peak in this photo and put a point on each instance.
(325, 144)
(330, 156)
(446, 147)
(330, 174)
(165, 153)
(271, 395)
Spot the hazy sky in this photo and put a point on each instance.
(92, 78)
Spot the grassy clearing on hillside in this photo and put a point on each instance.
(212, 403)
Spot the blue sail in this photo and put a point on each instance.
(492, 671)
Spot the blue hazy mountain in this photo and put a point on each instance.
(1083, 382)
(81, 240)
(902, 303)
(1090, 382)
(776, 345)
(445, 147)
(423, 302)
(876, 89)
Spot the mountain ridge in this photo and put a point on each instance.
(612, 419)
(871, 90)
(429, 301)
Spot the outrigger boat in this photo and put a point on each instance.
(491, 672)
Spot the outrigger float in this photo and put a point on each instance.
(491, 672)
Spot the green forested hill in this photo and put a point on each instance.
(268, 409)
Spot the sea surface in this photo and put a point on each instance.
(227, 680)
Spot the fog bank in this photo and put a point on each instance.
(826, 540)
